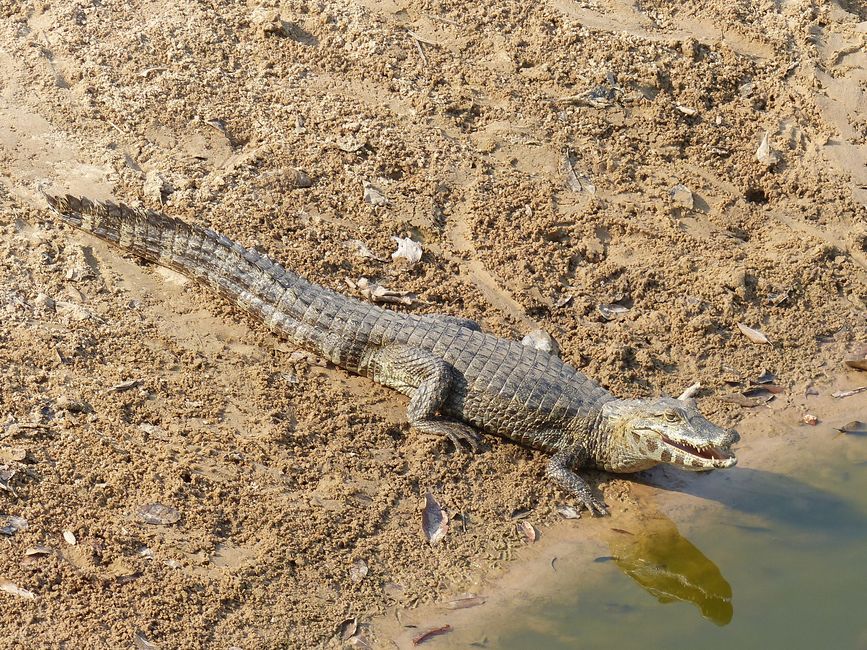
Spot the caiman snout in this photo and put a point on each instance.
(732, 437)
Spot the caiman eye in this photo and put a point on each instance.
(671, 416)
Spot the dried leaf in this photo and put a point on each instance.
(358, 571)
(856, 428)
(69, 537)
(360, 248)
(407, 249)
(15, 590)
(526, 529)
(749, 398)
(142, 642)
(373, 196)
(568, 512)
(10, 524)
(753, 335)
(124, 385)
(7, 475)
(434, 520)
(848, 393)
(348, 628)
(36, 553)
(158, 514)
(520, 513)
(464, 603)
(429, 634)
(610, 312)
(767, 377)
(577, 181)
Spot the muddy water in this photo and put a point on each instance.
(772, 554)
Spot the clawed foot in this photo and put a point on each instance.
(463, 437)
(560, 471)
(592, 505)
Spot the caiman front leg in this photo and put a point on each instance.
(560, 471)
(428, 380)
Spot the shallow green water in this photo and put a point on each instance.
(782, 565)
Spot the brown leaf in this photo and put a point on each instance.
(158, 514)
(526, 529)
(434, 520)
(749, 398)
(429, 634)
(753, 335)
(464, 603)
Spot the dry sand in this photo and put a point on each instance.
(533, 148)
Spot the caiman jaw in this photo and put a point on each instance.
(693, 457)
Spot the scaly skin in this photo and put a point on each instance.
(459, 379)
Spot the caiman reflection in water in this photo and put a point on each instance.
(671, 568)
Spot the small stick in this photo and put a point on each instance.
(690, 392)
(419, 47)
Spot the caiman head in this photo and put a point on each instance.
(645, 432)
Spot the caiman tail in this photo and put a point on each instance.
(310, 315)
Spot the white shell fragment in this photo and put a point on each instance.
(541, 340)
(765, 154)
(69, 537)
(407, 249)
(158, 514)
(358, 571)
(682, 196)
(373, 196)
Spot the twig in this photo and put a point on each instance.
(690, 392)
(418, 46)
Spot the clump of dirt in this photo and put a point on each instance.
(552, 158)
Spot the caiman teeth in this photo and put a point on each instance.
(708, 452)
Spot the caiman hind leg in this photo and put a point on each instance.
(428, 380)
(560, 471)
